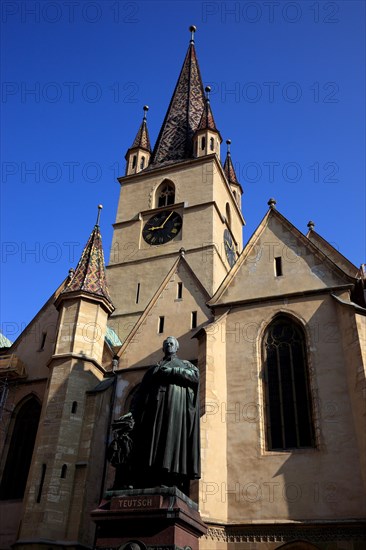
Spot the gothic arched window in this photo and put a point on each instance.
(289, 423)
(165, 194)
(142, 163)
(20, 451)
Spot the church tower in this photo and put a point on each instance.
(165, 197)
(60, 488)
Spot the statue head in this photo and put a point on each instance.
(170, 346)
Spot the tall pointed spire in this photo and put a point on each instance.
(90, 275)
(184, 112)
(229, 167)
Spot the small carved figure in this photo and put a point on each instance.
(120, 448)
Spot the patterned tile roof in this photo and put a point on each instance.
(229, 170)
(142, 137)
(207, 119)
(183, 115)
(90, 275)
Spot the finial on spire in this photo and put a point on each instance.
(146, 108)
(228, 143)
(272, 203)
(100, 206)
(311, 225)
(192, 29)
(208, 90)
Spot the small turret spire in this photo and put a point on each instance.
(229, 167)
(89, 276)
(138, 155)
(142, 139)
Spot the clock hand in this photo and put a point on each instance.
(171, 213)
(162, 225)
(229, 245)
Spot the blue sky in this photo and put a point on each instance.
(288, 88)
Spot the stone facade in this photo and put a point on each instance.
(253, 494)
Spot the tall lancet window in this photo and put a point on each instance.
(165, 194)
(289, 422)
(24, 430)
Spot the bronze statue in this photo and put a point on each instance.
(165, 408)
(119, 450)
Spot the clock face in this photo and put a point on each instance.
(229, 248)
(162, 228)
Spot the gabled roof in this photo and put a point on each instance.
(332, 253)
(142, 139)
(179, 261)
(225, 296)
(90, 275)
(183, 115)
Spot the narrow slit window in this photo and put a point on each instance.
(137, 293)
(212, 144)
(203, 143)
(74, 407)
(278, 266)
(134, 161)
(161, 325)
(41, 483)
(142, 163)
(63, 471)
(180, 291)
(194, 319)
(43, 341)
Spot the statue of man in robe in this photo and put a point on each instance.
(166, 449)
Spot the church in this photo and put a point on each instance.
(276, 329)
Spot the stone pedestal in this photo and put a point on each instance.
(148, 519)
